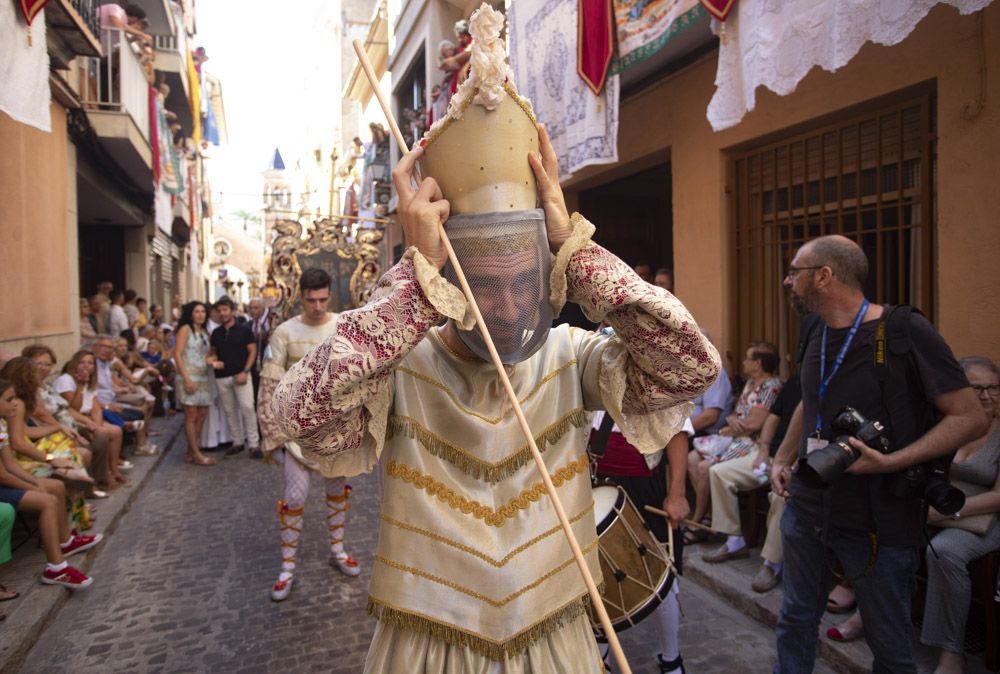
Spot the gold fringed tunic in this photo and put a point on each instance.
(472, 573)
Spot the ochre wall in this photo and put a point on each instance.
(670, 115)
(38, 248)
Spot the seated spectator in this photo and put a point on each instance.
(713, 406)
(739, 436)
(117, 318)
(7, 514)
(749, 472)
(84, 432)
(665, 279)
(117, 393)
(644, 270)
(130, 309)
(88, 323)
(44, 450)
(24, 491)
(78, 385)
(98, 312)
(141, 304)
(156, 314)
(974, 470)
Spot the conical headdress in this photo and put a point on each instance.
(478, 151)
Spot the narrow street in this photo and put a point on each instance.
(182, 586)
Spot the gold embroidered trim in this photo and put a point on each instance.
(497, 563)
(471, 464)
(489, 648)
(495, 603)
(495, 518)
(522, 103)
(493, 421)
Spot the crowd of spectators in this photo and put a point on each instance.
(67, 431)
(731, 451)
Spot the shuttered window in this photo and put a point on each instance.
(868, 177)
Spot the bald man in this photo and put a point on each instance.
(860, 521)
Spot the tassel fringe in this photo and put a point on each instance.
(488, 648)
(475, 467)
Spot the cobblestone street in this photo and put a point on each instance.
(182, 586)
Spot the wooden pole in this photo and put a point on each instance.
(595, 596)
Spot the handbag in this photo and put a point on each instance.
(976, 524)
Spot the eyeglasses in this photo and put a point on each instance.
(792, 272)
(992, 390)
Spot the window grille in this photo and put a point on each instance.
(868, 177)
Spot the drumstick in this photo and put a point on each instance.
(596, 601)
(690, 523)
(670, 543)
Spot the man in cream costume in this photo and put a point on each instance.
(472, 573)
(289, 343)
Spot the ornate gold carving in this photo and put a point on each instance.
(498, 563)
(495, 518)
(328, 236)
(472, 465)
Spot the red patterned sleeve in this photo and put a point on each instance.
(337, 397)
(657, 360)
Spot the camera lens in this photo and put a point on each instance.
(946, 499)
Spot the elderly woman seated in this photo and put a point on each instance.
(971, 533)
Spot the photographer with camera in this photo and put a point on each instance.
(856, 505)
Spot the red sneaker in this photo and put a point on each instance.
(68, 577)
(80, 543)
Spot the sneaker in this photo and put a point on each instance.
(256, 454)
(234, 450)
(68, 577)
(148, 449)
(347, 565)
(80, 543)
(126, 466)
(281, 589)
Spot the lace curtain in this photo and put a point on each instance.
(775, 43)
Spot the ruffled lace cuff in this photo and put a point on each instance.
(447, 299)
(647, 431)
(578, 238)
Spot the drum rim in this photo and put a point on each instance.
(610, 518)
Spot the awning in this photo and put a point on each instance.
(377, 48)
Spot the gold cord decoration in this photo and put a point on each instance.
(495, 518)
(495, 603)
(472, 465)
(497, 563)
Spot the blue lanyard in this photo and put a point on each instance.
(824, 379)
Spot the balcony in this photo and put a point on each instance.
(72, 29)
(171, 60)
(115, 94)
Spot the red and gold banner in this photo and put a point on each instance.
(31, 8)
(596, 43)
(720, 9)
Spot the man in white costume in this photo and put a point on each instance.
(289, 343)
(472, 573)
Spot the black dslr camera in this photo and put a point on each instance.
(929, 480)
(825, 465)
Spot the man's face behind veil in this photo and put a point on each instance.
(507, 289)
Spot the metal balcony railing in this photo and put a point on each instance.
(117, 82)
(87, 9)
